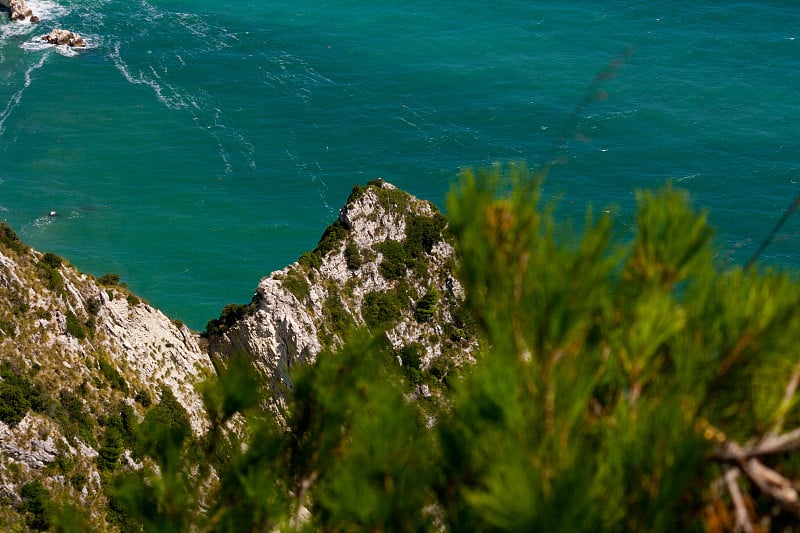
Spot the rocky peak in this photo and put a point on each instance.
(384, 264)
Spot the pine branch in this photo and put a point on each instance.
(763, 246)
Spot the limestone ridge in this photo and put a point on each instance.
(384, 264)
(72, 351)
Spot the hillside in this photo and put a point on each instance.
(83, 360)
(77, 352)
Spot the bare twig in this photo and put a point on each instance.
(770, 482)
(305, 485)
(774, 484)
(776, 229)
(788, 396)
(743, 522)
(730, 451)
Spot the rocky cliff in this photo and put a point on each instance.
(82, 359)
(75, 352)
(384, 264)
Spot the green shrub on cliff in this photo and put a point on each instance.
(381, 309)
(231, 313)
(18, 394)
(36, 505)
(393, 265)
(13, 404)
(9, 238)
(426, 307)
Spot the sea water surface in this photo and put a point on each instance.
(193, 147)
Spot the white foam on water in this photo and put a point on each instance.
(15, 99)
(38, 223)
(46, 10)
(197, 105)
(194, 24)
(173, 101)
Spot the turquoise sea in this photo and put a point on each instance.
(193, 147)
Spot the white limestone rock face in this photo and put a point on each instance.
(288, 321)
(86, 349)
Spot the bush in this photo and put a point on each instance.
(93, 305)
(310, 260)
(165, 428)
(36, 504)
(464, 323)
(393, 199)
(441, 368)
(13, 403)
(355, 193)
(144, 398)
(296, 283)
(331, 239)
(7, 329)
(9, 239)
(51, 260)
(335, 315)
(111, 448)
(75, 421)
(18, 394)
(352, 256)
(111, 374)
(231, 314)
(393, 265)
(109, 280)
(52, 278)
(74, 326)
(411, 355)
(380, 309)
(423, 232)
(426, 307)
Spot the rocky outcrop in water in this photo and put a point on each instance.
(18, 9)
(64, 37)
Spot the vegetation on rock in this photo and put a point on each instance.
(230, 314)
